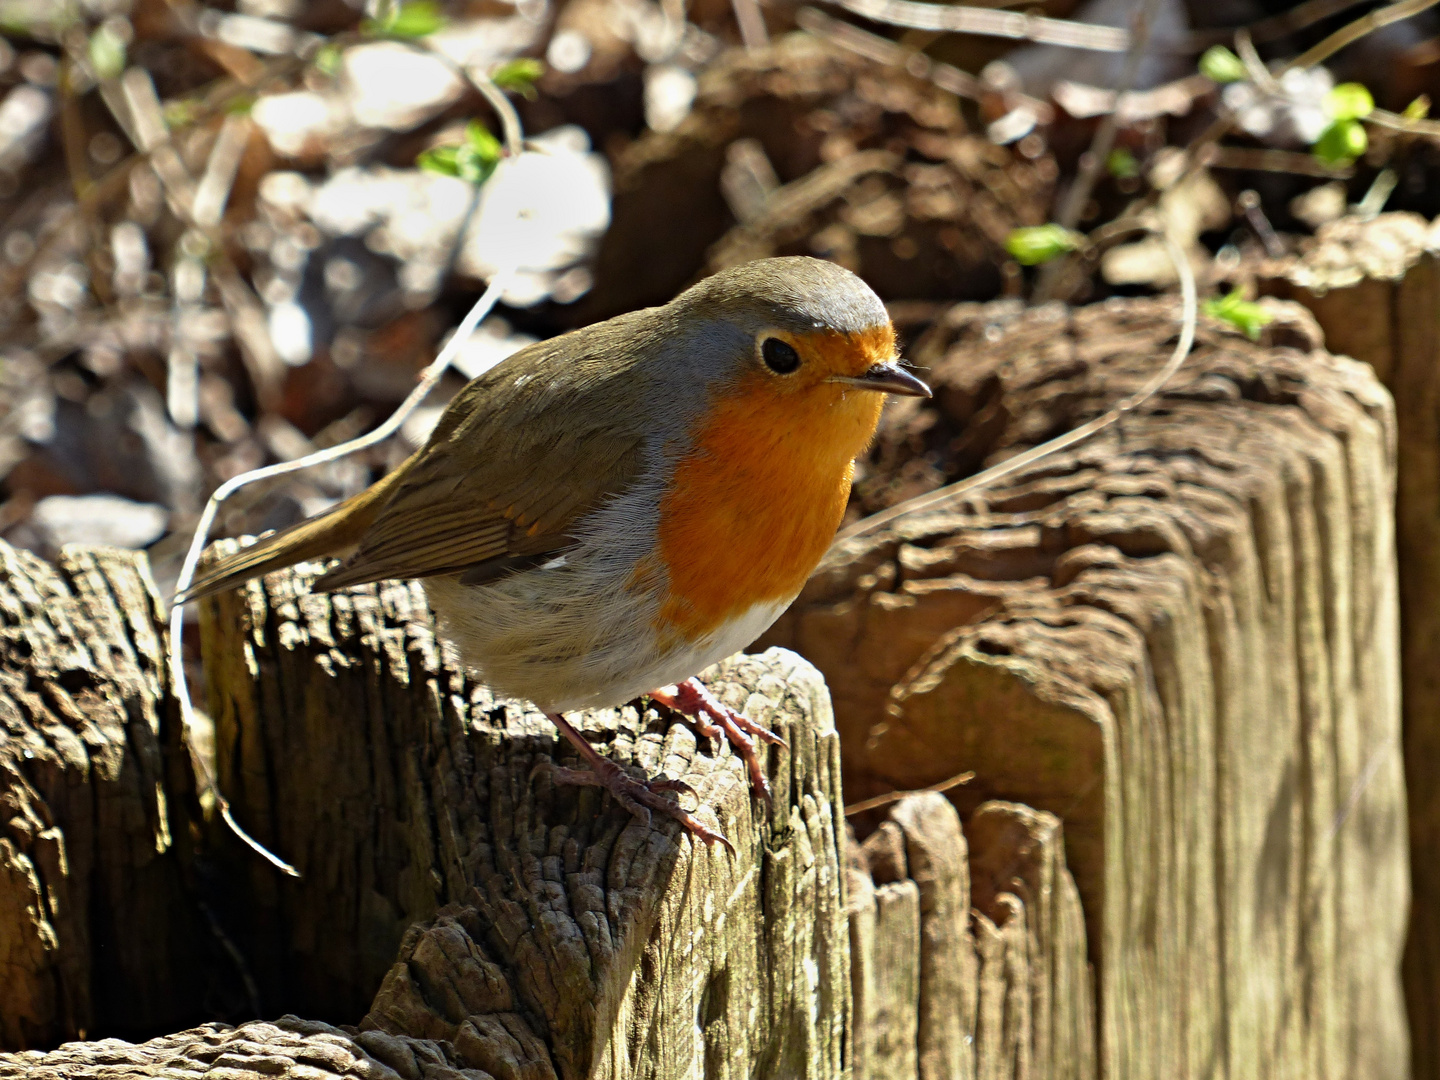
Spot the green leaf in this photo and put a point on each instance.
(473, 161)
(1122, 164)
(485, 146)
(240, 105)
(519, 75)
(413, 19)
(1037, 244)
(327, 59)
(1418, 109)
(1245, 315)
(106, 53)
(1349, 101)
(443, 160)
(1341, 143)
(1220, 65)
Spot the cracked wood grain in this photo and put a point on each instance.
(541, 931)
(1374, 288)
(1180, 640)
(98, 928)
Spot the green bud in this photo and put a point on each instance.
(1245, 315)
(106, 53)
(1349, 101)
(1122, 164)
(473, 161)
(1037, 244)
(1341, 143)
(413, 19)
(519, 75)
(1220, 65)
(327, 59)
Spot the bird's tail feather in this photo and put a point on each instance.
(330, 533)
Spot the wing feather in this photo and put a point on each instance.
(528, 473)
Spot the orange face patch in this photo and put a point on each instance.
(756, 501)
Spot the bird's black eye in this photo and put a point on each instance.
(779, 356)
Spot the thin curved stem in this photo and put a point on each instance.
(1189, 308)
(428, 379)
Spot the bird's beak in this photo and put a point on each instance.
(888, 378)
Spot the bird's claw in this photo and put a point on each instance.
(712, 717)
(642, 796)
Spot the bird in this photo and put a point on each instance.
(606, 513)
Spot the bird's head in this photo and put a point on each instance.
(795, 327)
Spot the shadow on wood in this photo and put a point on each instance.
(1374, 288)
(99, 925)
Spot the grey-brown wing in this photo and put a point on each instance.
(515, 461)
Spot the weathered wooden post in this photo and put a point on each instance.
(1180, 640)
(1374, 288)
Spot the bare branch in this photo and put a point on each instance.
(990, 23)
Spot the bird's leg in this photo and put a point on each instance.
(711, 718)
(637, 796)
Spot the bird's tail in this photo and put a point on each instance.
(330, 533)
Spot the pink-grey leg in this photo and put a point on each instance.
(637, 796)
(711, 718)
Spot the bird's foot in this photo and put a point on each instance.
(711, 718)
(638, 796)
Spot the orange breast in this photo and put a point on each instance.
(756, 502)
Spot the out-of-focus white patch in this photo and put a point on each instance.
(1296, 116)
(98, 519)
(23, 115)
(568, 52)
(290, 332)
(298, 124)
(256, 33)
(540, 214)
(284, 190)
(483, 43)
(669, 94)
(389, 85)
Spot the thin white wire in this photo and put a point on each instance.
(428, 378)
(1189, 313)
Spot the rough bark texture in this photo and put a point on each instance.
(1179, 639)
(98, 933)
(944, 991)
(570, 941)
(305, 1049)
(1374, 288)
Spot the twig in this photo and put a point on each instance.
(990, 23)
(1100, 146)
(1347, 35)
(1378, 195)
(752, 23)
(1411, 126)
(1353, 32)
(895, 796)
(1249, 203)
(1265, 159)
(1274, 26)
(428, 379)
(953, 492)
(884, 51)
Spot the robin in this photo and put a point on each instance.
(617, 508)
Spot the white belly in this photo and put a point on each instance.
(579, 634)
